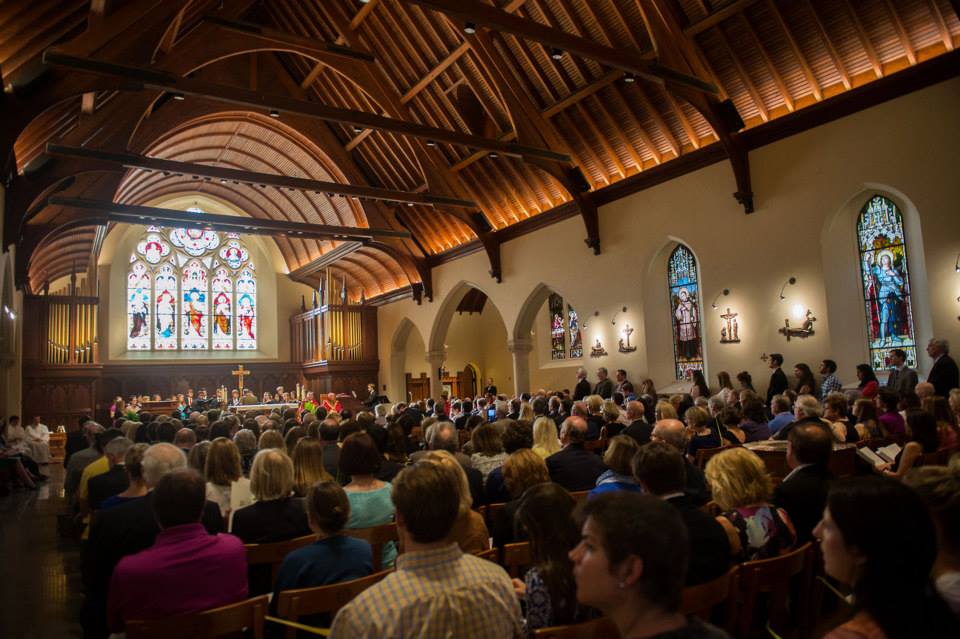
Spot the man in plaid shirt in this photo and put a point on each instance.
(830, 383)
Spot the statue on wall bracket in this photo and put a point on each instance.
(626, 348)
(805, 330)
(597, 350)
(730, 329)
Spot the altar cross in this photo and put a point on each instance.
(240, 373)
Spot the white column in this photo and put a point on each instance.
(520, 349)
(436, 360)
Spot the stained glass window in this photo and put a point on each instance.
(886, 282)
(683, 284)
(558, 345)
(177, 278)
(576, 338)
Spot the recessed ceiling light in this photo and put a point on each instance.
(469, 28)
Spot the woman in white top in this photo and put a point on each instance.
(38, 437)
(226, 484)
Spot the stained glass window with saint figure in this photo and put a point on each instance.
(558, 332)
(576, 337)
(886, 282)
(684, 289)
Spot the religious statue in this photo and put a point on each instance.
(597, 350)
(687, 325)
(805, 330)
(626, 348)
(729, 331)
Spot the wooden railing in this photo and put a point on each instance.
(334, 333)
(61, 329)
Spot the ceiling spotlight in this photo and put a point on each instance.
(357, 129)
(274, 113)
(494, 155)
(431, 143)
(556, 54)
(469, 28)
(629, 77)
(409, 203)
(177, 95)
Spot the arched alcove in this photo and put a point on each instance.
(841, 263)
(407, 351)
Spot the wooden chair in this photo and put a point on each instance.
(218, 622)
(772, 577)
(700, 600)
(704, 455)
(377, 537)
(515, 557)
(600, 628)
(489, 554)
(580, 495)
(293, 604)
(272, 554)
(493, 512)
(843, 462)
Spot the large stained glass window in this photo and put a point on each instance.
(886, 282)
(684, 288)
(564, 329)
(177, 278)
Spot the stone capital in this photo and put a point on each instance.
(436, 357)
(519, 346)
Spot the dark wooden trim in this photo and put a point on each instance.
(933, 71)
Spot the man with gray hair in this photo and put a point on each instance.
(806, 410)
(582, 389)
(574, 467)
(128, 529)
(639, 429)
(673, 432)
(604, 387)
(83, 458)
(444, 436)
(944, 374)
(113, 481)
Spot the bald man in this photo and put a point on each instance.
(574, 467)
(924, 389)
(639, 429)
(673, 432)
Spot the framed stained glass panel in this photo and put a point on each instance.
(576, 338)
(558, 332)
(195, 322)
(223, 321)
(684, 291)
(138, 307)
(246, 310)
(165, 331)
(885, 279)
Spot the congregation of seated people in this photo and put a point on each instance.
(622, 500)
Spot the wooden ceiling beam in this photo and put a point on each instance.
(283, 38)
(630, 61)
(718, 16)
(327, 259)
(901, 33)
(140, 78)
(942, 25)
(798, 54)
(771, 67)
(832, 50)
(252, 178)
(864, 39)
(104, 212)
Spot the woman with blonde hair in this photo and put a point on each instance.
(308, 468)
(666, 410)
(271, 438)
(619, 473)
(197, 458)
(742, 488)
(226, 484)
(526, 413)
(469, 531)
(522, 469)
(647, 388)
(276, 515)
(545, 441)
(612, 418)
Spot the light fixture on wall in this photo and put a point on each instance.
(791, 282)
(595, 314)
(613, 320)
(957, 267)
(724, 292)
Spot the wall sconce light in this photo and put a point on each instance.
(791, 282)
(798, 311)
(957, 267)
(595, 314)
(613, 320)
(724, 292)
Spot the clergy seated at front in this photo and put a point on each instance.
(186, 570)
(436, 590)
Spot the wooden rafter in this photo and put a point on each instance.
(864, 39)
(901, 33)
(795, 48)
(828, 43)
(771, 67)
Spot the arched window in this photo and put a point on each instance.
(564, 326)
(886, 282)
(177, 278)
(683, 284)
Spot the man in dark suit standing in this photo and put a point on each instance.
(604, 387)
(574, 467)
(778, 379)
(944, 374)
(902, 379)
(803, 493)
(639, 429)
(125, 530)
(491, 388)
(582, 389)
(660, 470)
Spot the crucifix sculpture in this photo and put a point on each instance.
(240, 373)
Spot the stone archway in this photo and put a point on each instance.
(397, 383)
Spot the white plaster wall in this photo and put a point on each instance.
(808, 189)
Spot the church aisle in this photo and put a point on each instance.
(40, 583)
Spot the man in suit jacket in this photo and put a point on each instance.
(639, 429)
(115, 480)
(944, 375)
(673, 432)
(902, 379)
(125, 530)
(778, 379)
(660, 470)
(803, 493)
(582, 389)
(574, 467)
(604, 387)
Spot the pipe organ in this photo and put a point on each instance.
(67, 327)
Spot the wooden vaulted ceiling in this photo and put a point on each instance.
(770, 58)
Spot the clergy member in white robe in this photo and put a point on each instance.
(38, 438)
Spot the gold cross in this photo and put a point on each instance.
(240, 373)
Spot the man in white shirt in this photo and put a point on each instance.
(38, 437)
